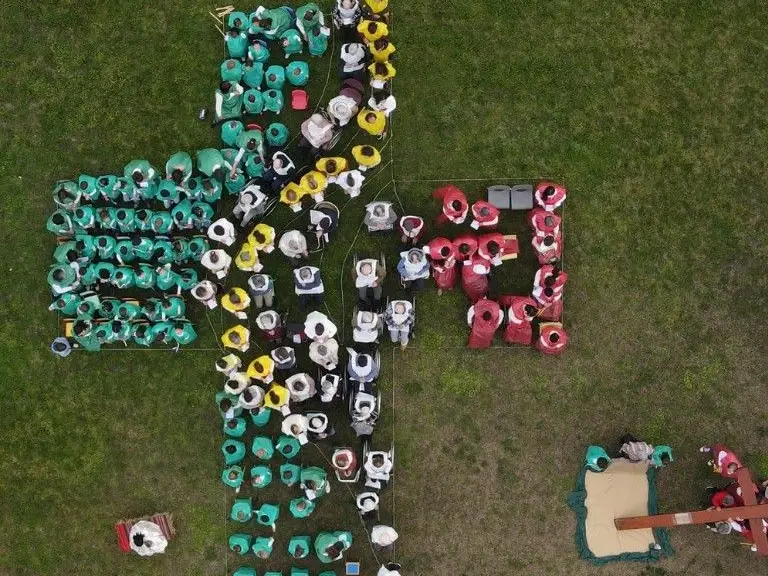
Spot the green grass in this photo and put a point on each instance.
(653, 114)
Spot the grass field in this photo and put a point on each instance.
(652, 114)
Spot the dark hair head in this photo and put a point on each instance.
(493, 247)
(549, 281)
(487, 316)
(548, 241)
(381, 69)
(330, 165)
(177, 175)
(664, 458)
(549, 220)
(549, 191)
(362, 360)
(274, 397)
(456, 205)
(602, 462)
(57, 218)
(137, 176)
(83, 185)
(366, 150)
(58, 274)
(548, 292)
(530, 310)
(372, 27)
(218, 229)
(225, 86)
(381, 43)
(554, 337)
(265, 23)
(220, 174)
(445, 251)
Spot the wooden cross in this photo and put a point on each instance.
(751, 511)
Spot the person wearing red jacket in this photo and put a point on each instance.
(491, 247)
(548, 249)
(455, 205)
(411, 229)
(549, 195)
(549, 276)
(465, 247)
(544, 223)
(484, 318)
(552, 338)
(521, 310)
(724, 461)
(485, 216)
(442, 255)
(474, 277)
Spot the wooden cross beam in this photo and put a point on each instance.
(751, 511)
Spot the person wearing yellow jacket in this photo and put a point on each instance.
(277, 399)
(292, 195)
(314, 183)
(366, 156)
(381, 73)
(373, 122)
(332, 167)
(236, 301)
(262, 368)
(372, 31)
(237, 338)
(381, 50)
(263, 238)
(247, 258)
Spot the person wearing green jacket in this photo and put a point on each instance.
(127, 311)
(152, 309)
(299, 546)
(178, 168)
(314, 482)
(597, 458)
(182, 215)
(88, 308)
(66, 303)
(240, 543)
(211, 192)
(124, 251)
(202, 215)
(143, 219)
(183, 333)
(297, 73)
(85, 336)
(317, 42)
(290, 40)
(287, 446)
(258, 51)
(233, 451)
(262, 447)
(144, 177)
(267, 515)
(146, 277)
(168, 193)
(228, 101)
(235, 427)
(277, 135)
(211, 163)
(254, 166)
(180, 250)
(66, 195)
(105, 246)
(261, 476)
(230, 131)
(108, 308)
(253, 74)
(143, 247)
(238, 21)
(330, 546)
(260, 416)
(273, 22)
(66, 252)
(242, 510)
(231, 70)
(124, 278)
(193, 188)
(60, 223)
(262, 547)
(253, 102)
(162, 223)
(301, 508)
(274, 77)
(106, 186)
(167, 279)
(290, 474)
(273, 101)
(87, 186)
(129, 192)
(308, 18)
(84, 218)
(163, 250)
(85, 245)
(232, 476)
(187, 279)
(124, 219)
(106, 218)
(63, 278)
(172, 308)
(237, 43)
(143, 335)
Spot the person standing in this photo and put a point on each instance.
(552, 338)
(400, 318)
(521, 311)
(309, 286)
(484, 318)
(549, 196)
(262, 288)
(294, 245)
(455, 206)
(442, 255)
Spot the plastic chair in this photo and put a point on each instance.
(299, 99)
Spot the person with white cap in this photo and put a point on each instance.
(251, 398)
(366, 327)
(222, 230)
(262, 288)
(301, 387)
(205, 292)
(342, 109)
(353, 60)
(318, 327)
(284, 357)
(383, 537)
(378, 468)
(237, 383)
(271, 326)
(147, 538)
(228, 364)
(325, 353)
(399, 318)
(413, 268)
(368, 505)
(351, 181)
(251, 202)
(309, 286)
(329, 386)
(318, 426)
(379, 216)
(364, 408)
(294, 245)
(296, 426)
(369, 276)
(361, 367)
(217, 261)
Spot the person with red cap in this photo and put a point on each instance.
(411, 229)
(549, 195)
(442, 255)
(455, 205)
(474, 277)
(544, 223)
(491, 247)
(521, 311)
(548, 249)
(484, 318)
(465, 246)
(552, 338)
(485, 216)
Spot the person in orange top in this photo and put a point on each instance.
(373, 122)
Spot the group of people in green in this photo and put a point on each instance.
(328, 546)
(91, 335)
(634, 450)
(247, 85)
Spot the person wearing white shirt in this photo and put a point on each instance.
(378, 468)
(222, 231)
(251, 398)
(318, 327)
(343, 109)
(301, 387)
(251, 202)
(309, 286)
(217, 261)
(382, 101)
(366, 327)
(147, 538)
(325, 353)
(237, 383)
(294, 245)
(228, 364)
(329, 385)
(295, 426)
(351, 181)
(353, 58)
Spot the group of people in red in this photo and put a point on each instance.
(725, 462)
(479, 252)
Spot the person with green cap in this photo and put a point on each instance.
(232, 476)
(277, 135)
(261, 476)
(211, 163)
(124, 278)
(168, 193)
(238, 21)
(297, 73)
(60, 224)
(275, 77)
(330, 546)
(66, 304)
(289, 474)
(230, 130)
(240, 543)
(106, 217)
(182, 215)
(273, 101)
(235, 427)
(87, 186)
(178, 168)
(597, 458)
(287, 446)
(274, 21)
(262, 547)
(85, 336)
(253, 74)
(260, 416)
(143, 175)
(106, 185)
(84, 218)
(253, 101)
(234, 451)
(124, 219)
(299, 546)
(66, 195)
(267, 515)
(64, 278)
(237, 43)
(258, 52)
(314, 482)
(317, 42)
(262, 447)
(242, 510)
(308, 18)
(162, 222)
(290, 40)
(127, 311)
(301, 508)
(228, 100)
(231, 70)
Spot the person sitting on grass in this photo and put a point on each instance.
(638, 451)
(597, 458)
